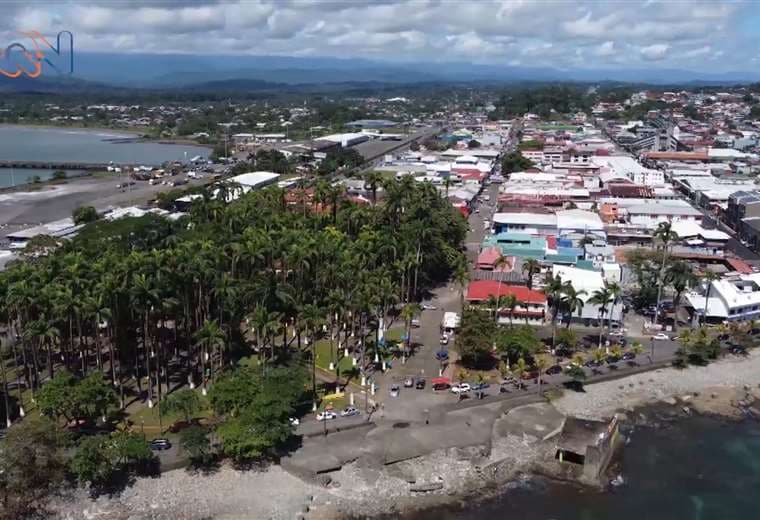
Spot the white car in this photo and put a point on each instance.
(294, 421)
(461, 388)
(444, 339)
(348, 411)
(326, 415)
(661, 336)
(428, 307)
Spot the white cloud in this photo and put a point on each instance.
(656, 52)
(651, 33)
(605, 49)
(695, 53)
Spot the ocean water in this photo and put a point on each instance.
(81, 145)
(695, 469)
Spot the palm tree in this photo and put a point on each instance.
(408, 313)
(572, 301)
(461, 277)
(553, 291)
(208, 337)
(681, 277)
(373, 179)
(6, 400)
(601, 297)
(530, 268)
(510, 302)
(665, 235)
(708, 277)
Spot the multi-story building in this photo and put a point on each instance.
(741, 205)
(732, 298)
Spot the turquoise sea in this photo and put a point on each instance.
(698, 468)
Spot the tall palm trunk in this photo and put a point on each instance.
(6, 401)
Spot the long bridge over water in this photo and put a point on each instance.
(54, 165)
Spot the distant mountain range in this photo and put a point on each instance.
(194, 72)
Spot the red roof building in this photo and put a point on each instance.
(531, 305)
(480, 290)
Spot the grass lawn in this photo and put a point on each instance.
(149, 417)
(323, 356)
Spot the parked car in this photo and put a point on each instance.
(416, 323)
(420, 384)
(530, 374)
(612, 359)
(460, 388)
(408, 382)
(661, 336)
(554, 369)
(440, 387)
(327, 415)
(160, 444)
(428, 307)
(593, 363)
(738, 350)
(479, 387)
(442, 355)
(444, 339)
(394, 390)
(629, 356)
(348, 411)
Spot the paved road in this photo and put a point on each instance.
(21, 209)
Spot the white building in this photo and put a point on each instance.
(589, 281)
(732, 298)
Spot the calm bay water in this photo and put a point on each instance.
(81, 145)
(696, 469)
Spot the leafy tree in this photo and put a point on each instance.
(194, 440)
(56, 398)
(92, 462)
(184, 402)
(475, 338)
(85, 215)
(517, 342)
(92, 398)
(131, 450)
(32, 464)
(233, 392)
(515, 162)
(58, 175)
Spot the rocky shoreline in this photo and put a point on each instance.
(729, 388)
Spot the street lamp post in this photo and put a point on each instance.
(651, 356)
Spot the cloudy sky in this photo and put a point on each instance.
(701, 36)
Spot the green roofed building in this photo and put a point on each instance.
(517, 244)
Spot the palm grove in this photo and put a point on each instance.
(227, 301)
